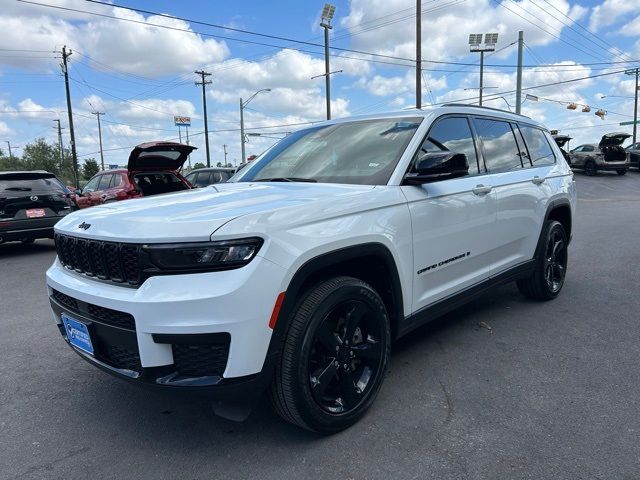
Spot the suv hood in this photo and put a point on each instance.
(193, 215)
(159, 156)
(613, 139)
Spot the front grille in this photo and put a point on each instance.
(100, 314)
(201, 360)
(120, 357)
(113, 261)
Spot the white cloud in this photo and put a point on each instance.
(610, 11)
(631, 29)
(4, 129)
(383, 86)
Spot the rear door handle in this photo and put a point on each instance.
(537, 180)
(482, 189)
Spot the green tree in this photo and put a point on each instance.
(90, 168)
(13, 163)
(219, 164)
(41, 155)
(198, 165)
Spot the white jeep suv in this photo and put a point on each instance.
(297, 275)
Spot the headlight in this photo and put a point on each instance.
(203, 256)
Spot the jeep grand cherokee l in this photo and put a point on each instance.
(30, 205)
(297, 275)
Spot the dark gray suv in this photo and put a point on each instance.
(606, 155)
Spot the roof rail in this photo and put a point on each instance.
(482, 106)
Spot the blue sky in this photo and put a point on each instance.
(142, 75)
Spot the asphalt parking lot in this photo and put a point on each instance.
(502, 388)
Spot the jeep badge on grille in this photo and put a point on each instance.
(84, 225)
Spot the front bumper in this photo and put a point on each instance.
(198, 330)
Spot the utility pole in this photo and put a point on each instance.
(225, 154)
(519, 73)
(242, 107)
(325, 22)
(635, 72)
(66, 54)
(204, 83)
(59, 129)
(9, 144)
(97, 114)
(418, 54)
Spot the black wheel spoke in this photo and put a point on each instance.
(350, 393)
(327, 337)
(352, 320)
(369, 350)
(321, 380)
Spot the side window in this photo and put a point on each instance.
(524, 153)
(92, 186)
(202, 179)
(104, 181)
(587, 148)
(539, 149)
(191, 178)
(452, 134)
(501, 152)
(116, 180)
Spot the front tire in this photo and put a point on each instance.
(621, 172)
(550, 264)
(334, 356)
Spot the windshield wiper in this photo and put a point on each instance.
(19, 189)
(287, 179)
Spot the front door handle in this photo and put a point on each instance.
(537, 180)
(482, 189)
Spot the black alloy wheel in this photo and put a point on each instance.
(346, 356)
(622, 171)
(590, 168)
(334, 356)
(555, 260)
(550, 264)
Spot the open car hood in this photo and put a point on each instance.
(159, 156)
(612, 139)
(562, 140)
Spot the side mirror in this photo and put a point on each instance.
(435, 166)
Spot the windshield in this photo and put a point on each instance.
(361, 152)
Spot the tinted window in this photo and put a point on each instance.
(92, 185)
(452, 134)
(30, 183)
(104, 182)
(587, 148)
(202, 179)
(499, 144)
(540, 151)
(116, 180)
(357, 152)
(524, 154)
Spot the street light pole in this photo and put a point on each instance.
(635, 72)
(519, 73)
(97, 114)
(242, 136)
(204, 83)
(418, 54)
(325, 22)
(490, 40)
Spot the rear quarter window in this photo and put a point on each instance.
(540, 152)
(501, 153)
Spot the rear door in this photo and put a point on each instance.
(519, 159)
(453, 220)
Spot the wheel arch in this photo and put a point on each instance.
(370, 262)
(560, 210)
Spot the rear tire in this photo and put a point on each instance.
(590, 168)
(550, 264)
(334, 356)
(621, 172)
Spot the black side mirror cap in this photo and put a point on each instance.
(434, 166)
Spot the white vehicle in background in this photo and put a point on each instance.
(297, 275)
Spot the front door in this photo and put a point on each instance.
(452, 219)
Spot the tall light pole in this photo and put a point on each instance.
(418, 54)
(242, 107)
(59, 129)
(204, 83)
(97, 114)
(475, 41)
(519, 73)
(325, 22)
(636, 72)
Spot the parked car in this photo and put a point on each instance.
(606, 155)
(208, 176)
(634, 155)
(344, 246)
(30, 205)
(153, 168)
(563, 140)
